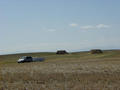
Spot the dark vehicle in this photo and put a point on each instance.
(61, 52)
(96, 51)
(29, 59)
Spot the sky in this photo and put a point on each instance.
(50, 25)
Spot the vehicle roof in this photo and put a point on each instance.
(25, 56)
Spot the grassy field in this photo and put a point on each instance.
(74, 71)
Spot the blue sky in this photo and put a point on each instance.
(50, 25)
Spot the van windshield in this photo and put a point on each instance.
(23, 57)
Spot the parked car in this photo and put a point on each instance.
(29, 59)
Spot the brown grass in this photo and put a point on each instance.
(68, 72)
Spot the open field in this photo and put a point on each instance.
(75, 71)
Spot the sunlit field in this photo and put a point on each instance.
(74, 71)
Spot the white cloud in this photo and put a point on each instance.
(99, 26)
(87, 27)
(51, 30)
(73, 24)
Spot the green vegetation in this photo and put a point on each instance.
(74, 71)
(12, 58)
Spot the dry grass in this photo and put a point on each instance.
(77, 71)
